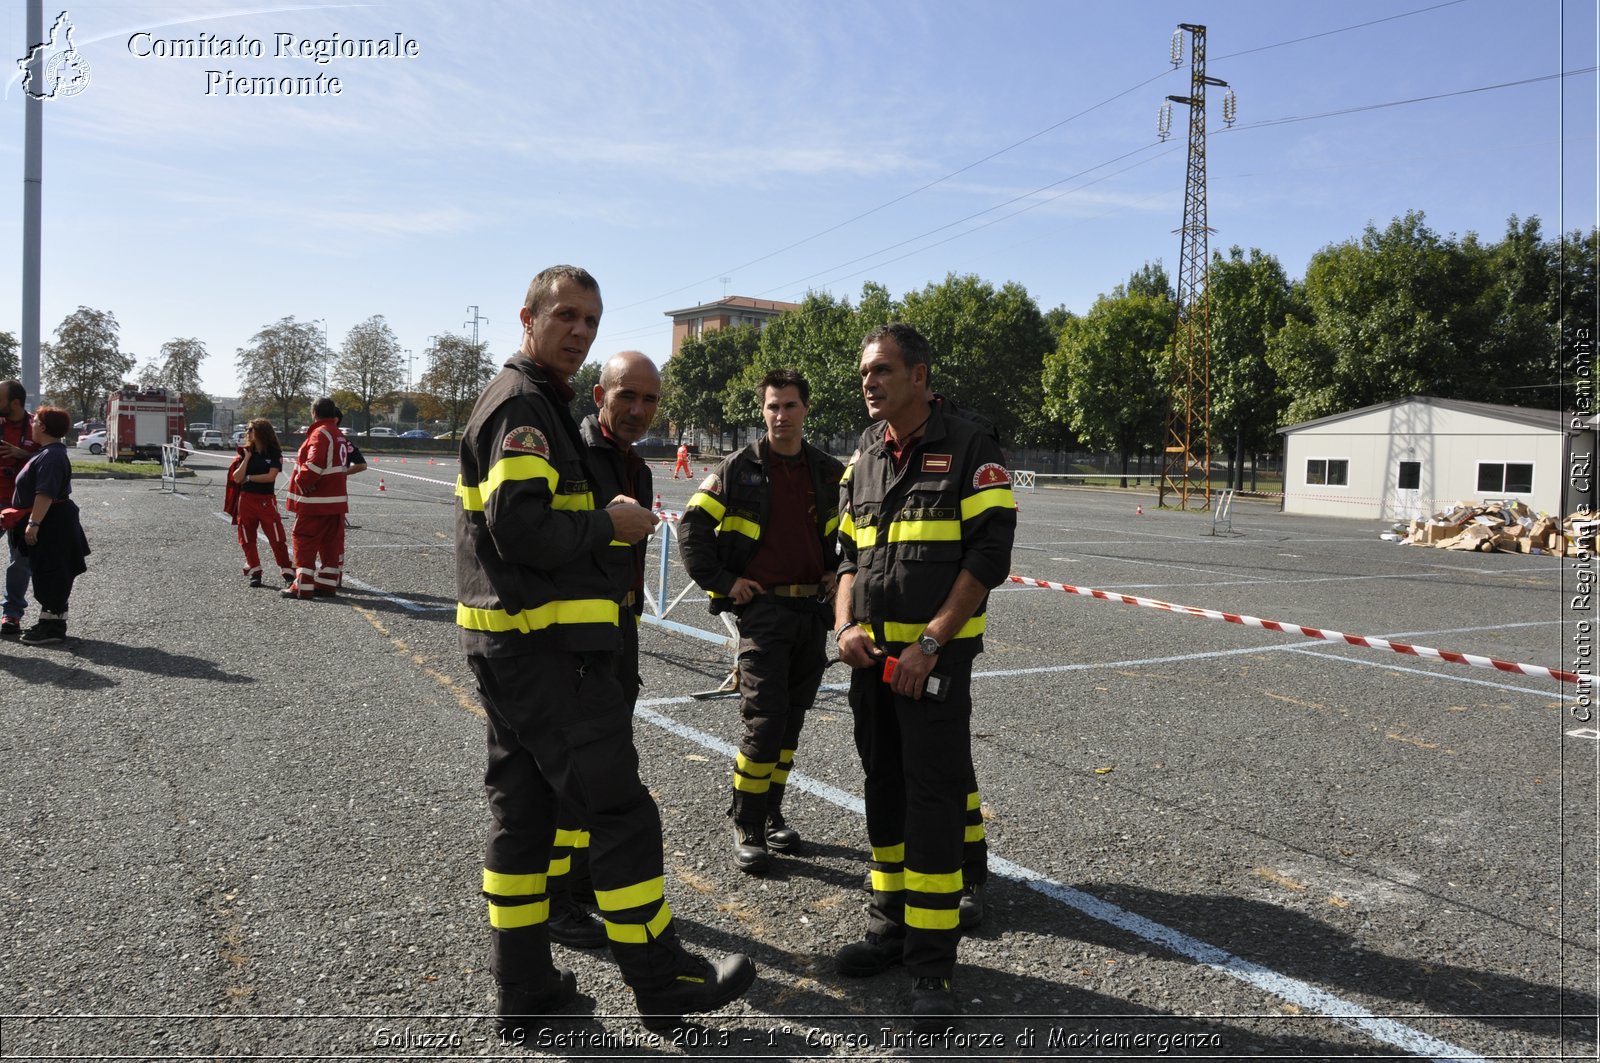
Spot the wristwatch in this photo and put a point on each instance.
(928, 645)
(842, 628)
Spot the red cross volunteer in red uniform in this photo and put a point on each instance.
(318, 501)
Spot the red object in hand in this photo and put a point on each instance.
(11, 516)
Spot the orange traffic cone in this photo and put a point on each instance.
(402, 461)
(1138, 511)
(658, 501)
(380, 484)
(430, 461)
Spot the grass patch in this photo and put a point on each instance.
(99, 469)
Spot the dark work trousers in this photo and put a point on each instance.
(569, 857)
(917, 755)
(560, 732)
(782, 655)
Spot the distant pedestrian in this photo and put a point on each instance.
(318, 501)
(16, 447)
(683, 463)
(254, 506)
(50, 533)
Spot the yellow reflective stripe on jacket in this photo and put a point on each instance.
(932, 918)
(922, 882)
(925, 531)
(894, 631)
(504, 885)
(993, 498)
(847, 526)
(620, 900)
(582, 611)
(640, 933)
(831, 527)
(516, 916)
(743, 527)
(704, 501)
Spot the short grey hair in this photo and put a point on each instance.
(544, 284)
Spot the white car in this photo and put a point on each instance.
(238, 436)
(386, 433)
(93, 442)
(210, 439)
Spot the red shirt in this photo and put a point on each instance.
(18, 434)
(790, 550)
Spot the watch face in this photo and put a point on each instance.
(927, 645)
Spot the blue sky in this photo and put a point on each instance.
(808, 144)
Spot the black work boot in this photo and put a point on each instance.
(781, 838)
(933, 1005)
(970, 907)
(523, 1006)
(571, 925)
(697, 986)
(872, 955)
(750, 847)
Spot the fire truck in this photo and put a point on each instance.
(138, 422)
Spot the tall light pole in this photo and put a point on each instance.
(323, 361)
(32, 200)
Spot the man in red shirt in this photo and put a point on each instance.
(16, 447)
(318, 501)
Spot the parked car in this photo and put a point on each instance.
(199, 426)
(210, 439)
(383, 432)
(89, 426)
(93, 442)
(238, 436)
(448, 435)
(415, 433)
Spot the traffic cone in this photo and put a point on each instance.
(658, 501)
(402, 461)
(1138, 511)
(380, 484)
(430, 461)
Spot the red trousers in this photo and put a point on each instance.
(684, 465)
(318, 553)
(260, 512)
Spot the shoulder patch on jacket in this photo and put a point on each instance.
(526, 440)
(711, 484)
(990, 475)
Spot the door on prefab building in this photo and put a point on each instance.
(1408, 491)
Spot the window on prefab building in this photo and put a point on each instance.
(1331, 472)
(1511, 478)
(1410, 476)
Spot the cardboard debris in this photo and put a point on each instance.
(1507, 527)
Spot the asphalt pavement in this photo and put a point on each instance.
(243, 827)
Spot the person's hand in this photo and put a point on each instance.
(622, 500)
(857, 649)
(912, 672)
(630, 522)
(13, 451)
(30, 535)
(744, 590)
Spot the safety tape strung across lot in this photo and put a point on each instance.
(1315, 633)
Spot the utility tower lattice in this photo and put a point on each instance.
(1186, 443)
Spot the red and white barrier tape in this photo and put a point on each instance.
(1428, 652)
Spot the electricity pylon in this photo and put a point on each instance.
(1186, 451)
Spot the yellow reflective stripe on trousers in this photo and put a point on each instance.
(751, 786)
(974, 802)
(570, 837)
(640, 933)
(993, 498)
(888, 881)
(701, 500)
(894, 631)
(561, 867)
(515, 916)
(922, 882)
(889, 854)
(973, 833)
(751, 767)
(503, 885)
(581, 611)
(932, 918)
(634, 896)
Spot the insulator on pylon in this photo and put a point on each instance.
(1230, 107)
(1177, 48)
(1164, 122)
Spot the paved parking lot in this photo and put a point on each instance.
(243, 826)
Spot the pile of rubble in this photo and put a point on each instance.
(1507, 527)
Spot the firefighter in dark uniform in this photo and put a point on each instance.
(926, 525)
(759, 536)
(539, 582)
(626, 397)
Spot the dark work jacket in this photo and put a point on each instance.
(723, 521)
(907, 535)
(610, 471)
(534, 560)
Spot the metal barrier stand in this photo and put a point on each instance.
(655, 614)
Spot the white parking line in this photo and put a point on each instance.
(1303, 995)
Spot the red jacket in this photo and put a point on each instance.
(317, 486)
(19, 434)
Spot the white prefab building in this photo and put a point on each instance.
(1417, 455)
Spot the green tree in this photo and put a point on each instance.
(694, 381)
(988, 348)
(282, 363)
(822, 341)
(178, 370)
(84, 364)
(1397, 313)
(1250, 301)
(458, 371)
(1106, 377)
(583, 382)
(10, 357)
(370, 366)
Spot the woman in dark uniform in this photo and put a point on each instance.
(51, 534)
